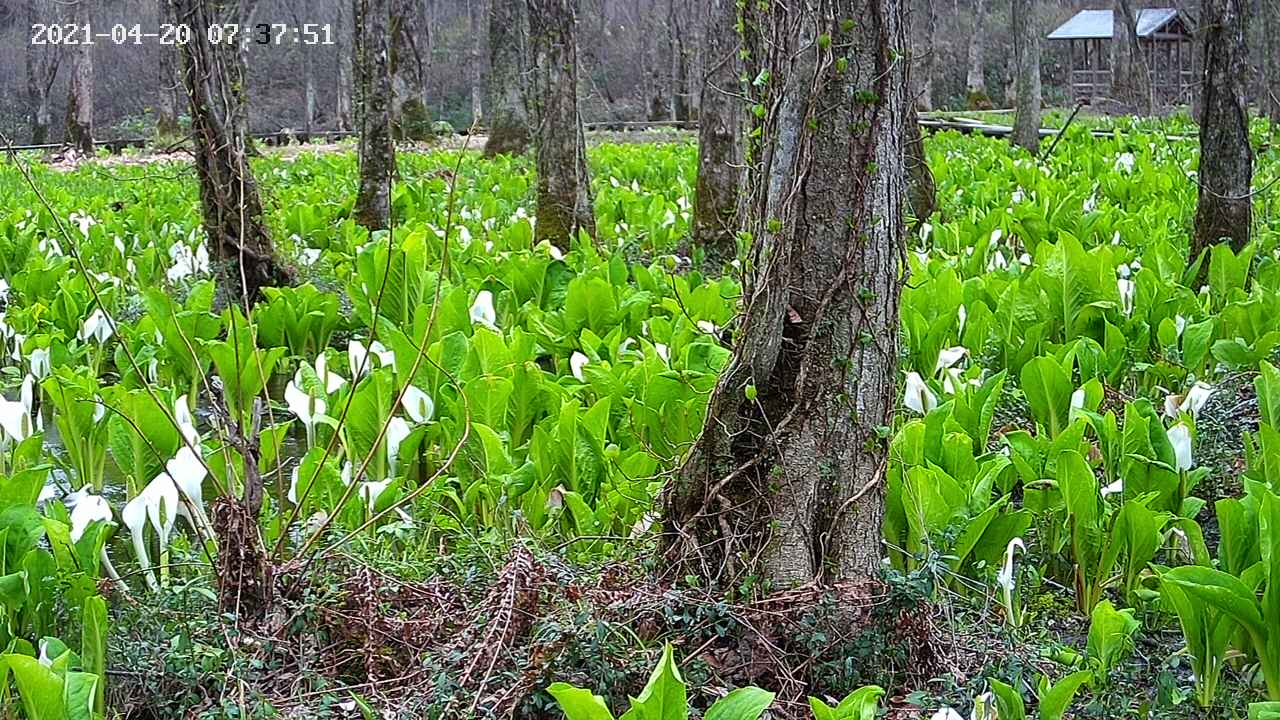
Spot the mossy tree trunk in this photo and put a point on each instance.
(374, 115)
(508, 114)
(167, 102)
(344, 34)
(565, 204)
(1270, 99)
(79, 124)
(1026, 58)
(785, 484)
(42, 70)
(925, 57)
(214, 80)
(719, 138)
(922, 192)
(976, 79)
(1225, 209)
(412, 120)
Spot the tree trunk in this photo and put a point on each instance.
(412, 120)
(564, 184)
(508, 70)
(976, 80)
(475, 9)
(922, 194)
(79, 130)
(1130, 81)
(1225, 209)
(1026, 59)
(373, 113)
(785, 483)
(214, 80)
(1270, 101)
(715, 227)
(928, 57)
(167, 101)
(343, 35)
(42, 69)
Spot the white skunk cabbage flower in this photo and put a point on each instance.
(1008, 581)
(370, 491)
(577, 361)
(918, 396)
(97, 327)
(86, 509)
(1127, 290)
(185, 421)
(1197, 396)
(984, 708)
(950, 356)
(663, 352)
(1125, 162)
(482, 311)
(946, 713)
(418, 405)
(358, 356)
(1077, 399)
(15, 420)
(332, 381)
(40, 364)
(156, 505)
(307, 409)
(397, 431)
(1180, 438)
(961, 316)
(187, 470)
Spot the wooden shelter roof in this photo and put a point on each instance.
(1098, 24)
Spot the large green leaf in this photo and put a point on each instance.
(746, 703)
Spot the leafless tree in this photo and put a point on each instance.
(1225, 207)
(976, 80)
(408, 60)
(565, 204)
(1026, 44)
(79, 125)
(719, 138)
(508, 73)
(374, 100)
(1131, 81)
(786, 481)
(42, 70)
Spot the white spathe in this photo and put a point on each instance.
(40, 363)
(1196, 398)
(482, 310)
(87, 509)
(1127, 291)
(1180, 439)
(397, 431)
(918, 396)
(360, 358)
(156, 505)
(418, 405)
(97, 327)
(946, 713)
(577, 361)
(372, 490)
(950, 356)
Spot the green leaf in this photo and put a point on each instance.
(1009, 705)
(664, 697)
(1048, 389)
(579, 704)
(746, 703)
(1054, 703)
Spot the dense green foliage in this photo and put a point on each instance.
(448, 381)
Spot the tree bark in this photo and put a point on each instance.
(508, 70)
(715, 227)
(214, 80)
(1026, 52)
(922, 193)
(475, 9)
(785, 483)
(1130, 81)
(167, 101)
(1270, 100)
(79, 125)
(42, 70)
(976, 80)
(565, 204)
(1225, 208)
(927, 57)
(412, 120)
(343, 35)
(374, 100)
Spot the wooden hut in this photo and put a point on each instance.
(1164, 35)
